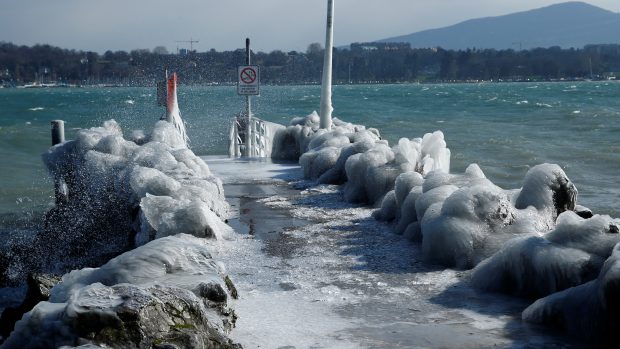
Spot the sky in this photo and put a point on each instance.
(100, 25)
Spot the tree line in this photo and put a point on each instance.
(359, 63)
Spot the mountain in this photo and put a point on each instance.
(570, 24)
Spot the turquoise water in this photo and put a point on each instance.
(505, 128)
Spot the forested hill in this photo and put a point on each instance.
(570, 24)
(361, 63)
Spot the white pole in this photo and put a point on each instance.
(326, 85)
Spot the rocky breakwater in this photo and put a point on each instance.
(149, 201)
(535, 241)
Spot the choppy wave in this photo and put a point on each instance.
(396, 110)
(546, 105)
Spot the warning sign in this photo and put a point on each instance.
(248, 82)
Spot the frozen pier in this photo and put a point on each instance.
(315, 271)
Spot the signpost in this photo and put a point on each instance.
(248, 82)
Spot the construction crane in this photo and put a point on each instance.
(191, 43)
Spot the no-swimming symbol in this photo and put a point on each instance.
(248, 75)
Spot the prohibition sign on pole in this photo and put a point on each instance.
(248, 75)
(248, 80)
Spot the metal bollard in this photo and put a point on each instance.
(60, 187)
(58, 131)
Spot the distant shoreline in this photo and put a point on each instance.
(227, 84)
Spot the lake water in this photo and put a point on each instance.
(505, 128)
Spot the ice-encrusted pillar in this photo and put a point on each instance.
(326, 84)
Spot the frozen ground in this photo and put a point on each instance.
(315, 272)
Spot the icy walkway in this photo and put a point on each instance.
(315, 272)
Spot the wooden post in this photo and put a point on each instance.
(58, 131)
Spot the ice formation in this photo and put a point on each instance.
(150, 191)
(461, 219)
(590, 310)
(571, 254)
(120, 193)
(540, 242)
(173, 113)
(169, 291)
(356, 156)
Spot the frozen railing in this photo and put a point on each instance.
(260, 140)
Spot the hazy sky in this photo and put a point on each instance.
(100, 25)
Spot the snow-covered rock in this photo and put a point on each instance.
(170, 291)
(120, 194)
(590, 311)
(536, 266)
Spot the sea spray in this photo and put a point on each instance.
(121, 195)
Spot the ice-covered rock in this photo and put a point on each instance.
(359, 170)
(388, 208)
(303, 137)
(407, 210)
(547, 188)
(39, 286)
(361, 142)
(373, 173)
(535, 266)
(120, 194)
(460, 231)
(590, 311)
(357, 157)
(167, 291)
(461, 219)
(290, 143)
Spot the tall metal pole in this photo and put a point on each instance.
(248, 108)
(326, 84)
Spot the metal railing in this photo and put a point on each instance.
(258, 141)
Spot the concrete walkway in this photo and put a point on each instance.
(315, 272)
